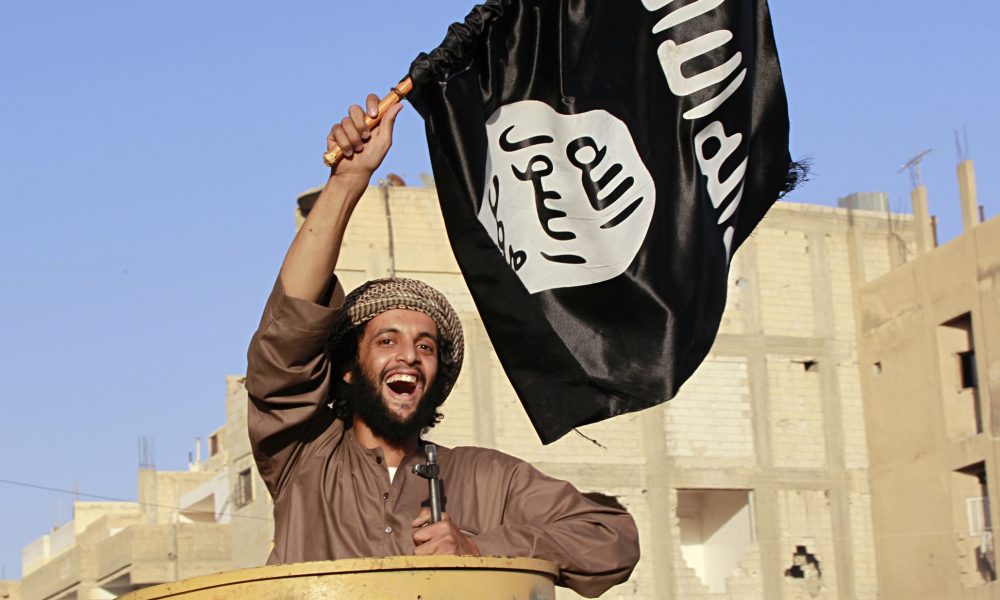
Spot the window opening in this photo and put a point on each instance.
(244, 488)
(716, 528)
(959, 379)
(967, 368)
(976, 555)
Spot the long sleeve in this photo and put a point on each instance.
(595, 546)
(288, 379)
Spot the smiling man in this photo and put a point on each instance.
(341, 389)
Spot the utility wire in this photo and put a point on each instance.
(113, 499)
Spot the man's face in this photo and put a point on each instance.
(398, 354)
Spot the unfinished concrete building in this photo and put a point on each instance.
(207, 519)
(752, 483)
(930, 360)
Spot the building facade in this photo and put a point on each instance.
(752, 483)
(206, 519)
(930, 363)
(10, 590)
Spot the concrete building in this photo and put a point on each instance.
(207, 519)
(752, 483)
(930, 363)
(110, 548)
(10, 590)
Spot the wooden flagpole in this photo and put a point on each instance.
(393, 97)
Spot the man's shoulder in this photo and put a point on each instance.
(483, 457)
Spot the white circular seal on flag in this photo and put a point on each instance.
(568, 200)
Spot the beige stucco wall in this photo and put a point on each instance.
(113, 547)
(10, 590)
(251, 526)
(908, 375)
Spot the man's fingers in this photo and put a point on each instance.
(423, 550)
(340, 138)
(357, 116)
(422, 518)
(353, 135)
(331, 141)
(389, 120)
(426, 534)
(444, 543)
(452, 544)
(425, 531)
(421, 535)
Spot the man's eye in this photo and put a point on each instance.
(384, 342)
(426, 347)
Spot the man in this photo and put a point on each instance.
(341, 389)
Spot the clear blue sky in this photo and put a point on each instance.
(150, 155)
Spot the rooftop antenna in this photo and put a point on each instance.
(57, 512)
(914, 167)
(147, 453)
(962, 145)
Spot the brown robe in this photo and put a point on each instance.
(333, 498)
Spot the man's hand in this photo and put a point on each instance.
(442, 537)
(363, 148)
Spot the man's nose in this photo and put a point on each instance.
(408, 354)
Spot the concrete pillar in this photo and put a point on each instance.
(659, 551)
(967, 194)
(480, 358)
(925, 235)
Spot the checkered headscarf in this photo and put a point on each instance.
(375, 297)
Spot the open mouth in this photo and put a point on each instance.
(401, 384)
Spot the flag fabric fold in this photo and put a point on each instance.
(597, 164)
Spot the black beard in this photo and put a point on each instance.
(364, 399)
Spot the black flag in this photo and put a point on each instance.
(597, 164)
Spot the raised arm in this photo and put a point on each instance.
(288, 374)
(312, 257)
